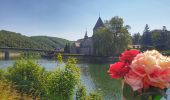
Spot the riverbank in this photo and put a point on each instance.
(84, 58)
(1, 55)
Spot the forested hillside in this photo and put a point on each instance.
(49, 42)
(12, 39)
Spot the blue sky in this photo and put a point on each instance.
(69, 18)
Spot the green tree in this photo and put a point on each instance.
(136, 38)
(111, 39)
(102, 42)
(67, 48)
(146, 37)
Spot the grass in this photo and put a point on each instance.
(8, 92)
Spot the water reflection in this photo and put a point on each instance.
(111, 88)
(86, 78)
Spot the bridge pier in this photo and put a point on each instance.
(6, 55)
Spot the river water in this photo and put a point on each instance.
(93, 75)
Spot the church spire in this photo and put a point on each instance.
(98, 24)
(85, 37)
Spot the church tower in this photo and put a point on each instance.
(85, 36)
(98, 24)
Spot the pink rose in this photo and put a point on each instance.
(149, 69)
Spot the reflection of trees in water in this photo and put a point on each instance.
(85, 78)
(110, 88)
(84, 69)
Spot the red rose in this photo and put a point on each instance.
(128, 56)
(118, 70)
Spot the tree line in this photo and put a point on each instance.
(153, 39)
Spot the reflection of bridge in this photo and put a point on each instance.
(7, 49)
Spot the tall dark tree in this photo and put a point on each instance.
(146, 37)
(136, 39)
(67, 48)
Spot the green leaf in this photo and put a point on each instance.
(157, 97)
(128, 93)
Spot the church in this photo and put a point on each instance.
(85, 46)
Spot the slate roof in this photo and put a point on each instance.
(98, 24)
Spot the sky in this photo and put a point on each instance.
(69, 19)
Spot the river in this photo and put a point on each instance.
(93, 75)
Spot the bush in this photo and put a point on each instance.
(31, 79)
(2, 74)
(26, 76)
(95, 96)
(63, 81)
(59, 58)
(81, 92)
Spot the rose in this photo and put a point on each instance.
(128, 56)
(118, 70)
(149, 69)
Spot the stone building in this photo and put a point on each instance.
(85, 45)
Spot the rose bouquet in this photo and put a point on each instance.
(147, 73)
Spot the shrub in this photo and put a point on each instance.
(26, 75)
(59, 58)
(81, 92)
(96, 95)
(63, 81)
(1, 74)
(31, 79)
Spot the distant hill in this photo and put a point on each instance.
(12, 39)
(49, 42)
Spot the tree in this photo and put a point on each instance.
(160, 39)
(111, 39)
(146, 37)
(67, 48)
(103, 42)
(136, 38)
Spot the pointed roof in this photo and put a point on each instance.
(85, 37)
(99, 24)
